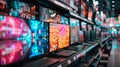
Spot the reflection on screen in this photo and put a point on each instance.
(19, 37)
(74, 30)
(59, 36)
(12, 51)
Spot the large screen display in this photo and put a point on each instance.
(39, 32)
(19, 37)
(74, 28)
(11, 27)
(59, 36)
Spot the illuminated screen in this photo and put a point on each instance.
(89, 27)
(83, 9)
(11, 27)
(59, 36)
(19, 37)
(4, 7)
(22, 9)
(83, 26)
(39, 32)
(90, 14)
(12, 51)
(51, 16)
(74, 27)
(81, 34)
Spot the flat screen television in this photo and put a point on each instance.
(12, 28)
(83, 26)
(39, 35)
(22, 9)
(81, 36)
(90, 14)
(74, 30)
(4, 7)
(14, 46)
(83, 9)
(58, 36)
(89, 27)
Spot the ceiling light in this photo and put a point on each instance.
(113, 5)
(113, 1)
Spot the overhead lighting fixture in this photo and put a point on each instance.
(113, 9)
(113, 5)
(113, 1)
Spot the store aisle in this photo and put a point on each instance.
(114, 60)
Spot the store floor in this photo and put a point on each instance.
(114, 60)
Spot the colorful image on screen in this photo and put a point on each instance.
(90, 14)
(83, 26)
(11, 27)
(12, 51)
(81, 34)
(39, 37)
(59, 36)
(74, 25)
(22, 9)
(83, 9)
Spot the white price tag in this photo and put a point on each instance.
(74, 58)
(69, 61)
(59, 66)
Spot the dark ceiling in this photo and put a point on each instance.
(117, 7)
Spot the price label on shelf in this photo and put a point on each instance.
(59, 66)
(69, 61)
(74, 58)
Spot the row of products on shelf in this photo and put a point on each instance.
(23, 9)
(22, 37)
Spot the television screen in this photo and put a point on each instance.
(83, 26)
(4, 7)
(63, 20)
(81, 34)
(22, 9)
(74, 27)
(59, 36)
(83, 9)
(39, 34)
(89, 27)
(12, 28)
(90, 14)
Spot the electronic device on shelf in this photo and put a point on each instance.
(74, 30)
(51, 16)
(44, 62)
(13, 50)
(59, 38)
(22, 39)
